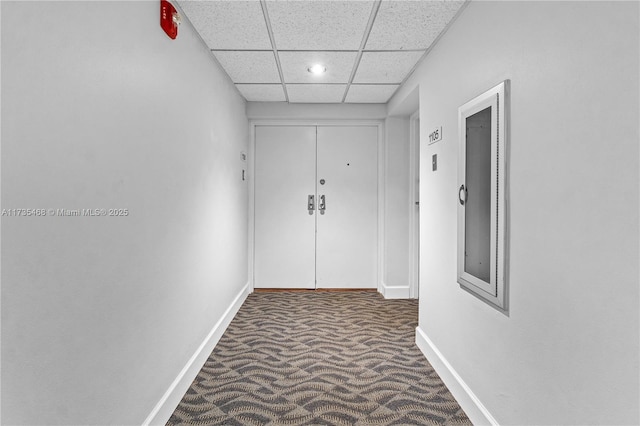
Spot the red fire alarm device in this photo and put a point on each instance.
(169, 19)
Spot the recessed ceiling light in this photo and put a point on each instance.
(317, 69)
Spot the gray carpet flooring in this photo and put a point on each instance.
(319, 358)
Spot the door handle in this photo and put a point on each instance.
(322, 206)
(462, 191)
(311, 204)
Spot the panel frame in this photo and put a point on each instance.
(495, 291)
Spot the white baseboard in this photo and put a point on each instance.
(395, 292)
(172, 397)
(475, 410)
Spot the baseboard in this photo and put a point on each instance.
(395, 292)
(476, 411)
(171, 398)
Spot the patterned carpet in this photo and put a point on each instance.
(319, 358)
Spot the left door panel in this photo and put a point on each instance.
(285, 176)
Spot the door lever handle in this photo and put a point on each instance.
(322, 206)
(311, 204)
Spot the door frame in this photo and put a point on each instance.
(379, 273)
(414, 216)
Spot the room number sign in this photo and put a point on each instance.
(435, 135)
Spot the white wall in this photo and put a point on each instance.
(285, 111)
(397, 204)
(100, 109)
(567, 353)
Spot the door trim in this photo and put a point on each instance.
(414, 217)
(380, 190)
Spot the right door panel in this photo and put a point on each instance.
(347, 237)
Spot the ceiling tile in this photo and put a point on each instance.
(249, 67)
(319, 25)
(262, 92)
(385, 67)
(402, 25)
(316, 93)
(370, 93)
(229, 24)
(295, 64)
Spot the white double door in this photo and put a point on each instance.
(316, 207)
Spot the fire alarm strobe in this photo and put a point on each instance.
(169, 19)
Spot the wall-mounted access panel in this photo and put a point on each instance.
(482, 195)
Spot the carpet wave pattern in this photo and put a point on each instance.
(319, 358)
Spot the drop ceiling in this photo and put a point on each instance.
(369, 48)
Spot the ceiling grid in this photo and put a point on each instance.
(272, 39)
(368, 47)
(367, 31)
